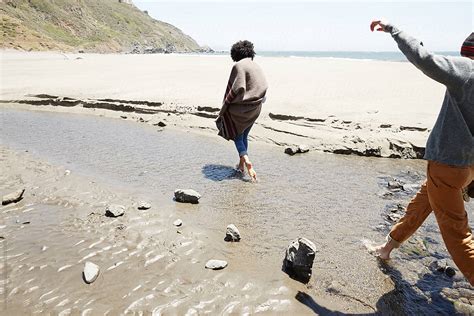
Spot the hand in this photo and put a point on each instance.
(379, 25)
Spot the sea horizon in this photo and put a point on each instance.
(360, 55)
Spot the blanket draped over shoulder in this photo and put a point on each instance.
(243, 99)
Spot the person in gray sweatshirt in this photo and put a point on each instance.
(449, 151)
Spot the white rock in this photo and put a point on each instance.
(216, 264)
(178, 222)
(187, 196)
(232, 233)
(114, 210)
(91, 272)
(144, 205)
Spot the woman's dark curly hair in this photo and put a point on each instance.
(241, 50)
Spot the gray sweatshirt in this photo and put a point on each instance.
(452, 139)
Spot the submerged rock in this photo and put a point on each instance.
(216, 264)
(114, 210)
(232, 233)
(144, 206)
(91, 272)
(298, 261)
(187, 196)
(13, 197)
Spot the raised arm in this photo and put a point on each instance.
(450, 71)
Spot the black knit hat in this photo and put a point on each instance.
(467, 49)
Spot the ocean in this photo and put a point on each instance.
(387, 56)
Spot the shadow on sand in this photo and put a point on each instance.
(221, 172)
(403, 300)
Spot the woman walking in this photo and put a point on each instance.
(242, 103)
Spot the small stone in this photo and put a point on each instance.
(161, 124)
(450, 271)
(394, 185)
(232, 233)
(291, 150)
(13, 197)
(178, 223)
(144, 206)
(187, 196)
(67, 172)
(303, 149)
(114, 210)
(298, 261)
(216, 264)
(123, 116)
(91, 272)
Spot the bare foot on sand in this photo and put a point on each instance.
(251, 171)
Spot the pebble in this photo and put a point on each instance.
(187, 196)
(91, 272)
(292, 150)
(114, 210)
(178, 223)
(232, 233)
(144, 206)
(216, 264)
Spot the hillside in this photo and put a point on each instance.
(103, 26)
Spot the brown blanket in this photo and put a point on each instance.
(243, 99)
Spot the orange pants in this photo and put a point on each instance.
(442, 194)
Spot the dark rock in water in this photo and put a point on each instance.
(291, 150)
(442, 266)
(299, 257)
(144, 206)
(232, 233)
(161, 124)
(450, 271)
(114, 210)
(13, 197)
(123, 116)
(187, 196)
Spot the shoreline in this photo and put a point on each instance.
(329, 134)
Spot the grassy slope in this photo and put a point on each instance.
(92, 25)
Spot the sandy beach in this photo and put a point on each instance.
(369, 108)
(81, 132)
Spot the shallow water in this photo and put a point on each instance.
(335, 201)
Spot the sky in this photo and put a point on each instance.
(315, 25)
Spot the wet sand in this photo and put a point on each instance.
(149, 265)
(368, 108)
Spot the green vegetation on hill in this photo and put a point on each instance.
(89, 25)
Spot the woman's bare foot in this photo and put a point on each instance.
(251, 171)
